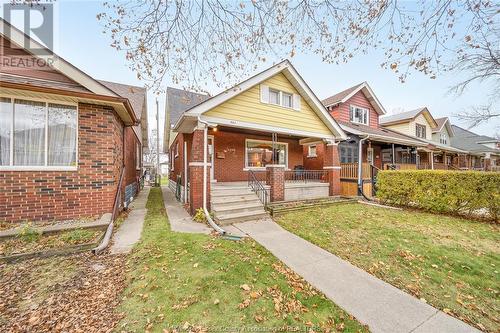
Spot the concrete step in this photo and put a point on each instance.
(225, 219)
(220, 209)
(232, 199)
(230, 192)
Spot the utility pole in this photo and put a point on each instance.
(158, 176)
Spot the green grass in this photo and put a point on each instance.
(164, 180)
(203, 282)
(451, 263)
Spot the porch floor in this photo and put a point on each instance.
(287, 184)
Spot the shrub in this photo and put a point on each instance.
(455, 192)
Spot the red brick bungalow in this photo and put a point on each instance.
(70, 145)
(254, 134)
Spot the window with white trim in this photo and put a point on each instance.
(311, 151)
(177, 149)
(278, 97)
(260, 153)
(37, 134)
(348, 154)
(274, 97)
(138, 157)
(420, 131)
(443, 138)
(358, 115)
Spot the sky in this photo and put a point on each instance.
(81, 41)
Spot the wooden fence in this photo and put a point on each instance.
(350, 171)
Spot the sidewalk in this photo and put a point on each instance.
(373, 302)
(130, 230)
(178, 217)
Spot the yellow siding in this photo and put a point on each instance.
(422, 121)
(247, 107)
(401, 128)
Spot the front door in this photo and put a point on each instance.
(211, 154)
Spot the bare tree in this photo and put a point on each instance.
(196, 42)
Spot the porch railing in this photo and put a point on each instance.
(305, 176)
(350, 170)
(257, 186)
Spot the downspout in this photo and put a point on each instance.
(205, 210)
(360, 167)
(109, 231)
(185, 172)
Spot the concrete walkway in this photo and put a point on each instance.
(373, 302)
(178, 217)
(130, 230)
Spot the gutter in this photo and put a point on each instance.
(205, 210)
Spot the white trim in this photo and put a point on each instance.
(20, 38)
(309, 150)
(212, 161)
(266, 128)
(387, 138)
(265, 141)
(290, 72)
(199, 164)
(371, 93)
(37, 168)
(44, 167)
(332, 167)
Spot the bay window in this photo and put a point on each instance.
(259, 153)
(37, 135)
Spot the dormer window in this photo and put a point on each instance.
(443, 139)
(420, 131)
(358, 115)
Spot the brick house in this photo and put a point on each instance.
(255, 135)
(70, 145)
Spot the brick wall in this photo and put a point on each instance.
(61, 195)
(132, 173)
(314, 163)
(231, 149)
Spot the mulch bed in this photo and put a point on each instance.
(77, 293)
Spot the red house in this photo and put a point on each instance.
(70, 145)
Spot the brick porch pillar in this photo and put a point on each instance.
(275, 175)
(196, 174)
(332, 167)
(487, 163)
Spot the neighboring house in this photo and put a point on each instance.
(357, 110)
(66, 140)
(420, 124)
(254, 133)
(484, 151)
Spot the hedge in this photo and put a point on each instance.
(454, 192)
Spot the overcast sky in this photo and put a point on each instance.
(80, 41)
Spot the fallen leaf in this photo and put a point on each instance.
(245, 287)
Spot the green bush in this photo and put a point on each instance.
(454, 192)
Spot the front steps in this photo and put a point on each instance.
(231, 204)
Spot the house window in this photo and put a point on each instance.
(287, 100)
(443, 138)
(177, 149)
(369, 155)
(260, 153)
(349, 154)
(274, 97)
(420, 131)
(311, 151)
(358, 115)
(37, 134)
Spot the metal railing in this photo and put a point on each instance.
(257, 186)
(305, 176)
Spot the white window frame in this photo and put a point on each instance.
(443, 138)
(271, 90)
(177, 149)
(138, 156)
(265, 97)
(246, 168)
(417, 125)
(45, 167)
(309, 154)
(282, 93)
(352, 109)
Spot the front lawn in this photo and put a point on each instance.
(200, 283)
(451, 263)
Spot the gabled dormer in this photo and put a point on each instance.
(418, 123)
(357, 105)
(443, 132)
